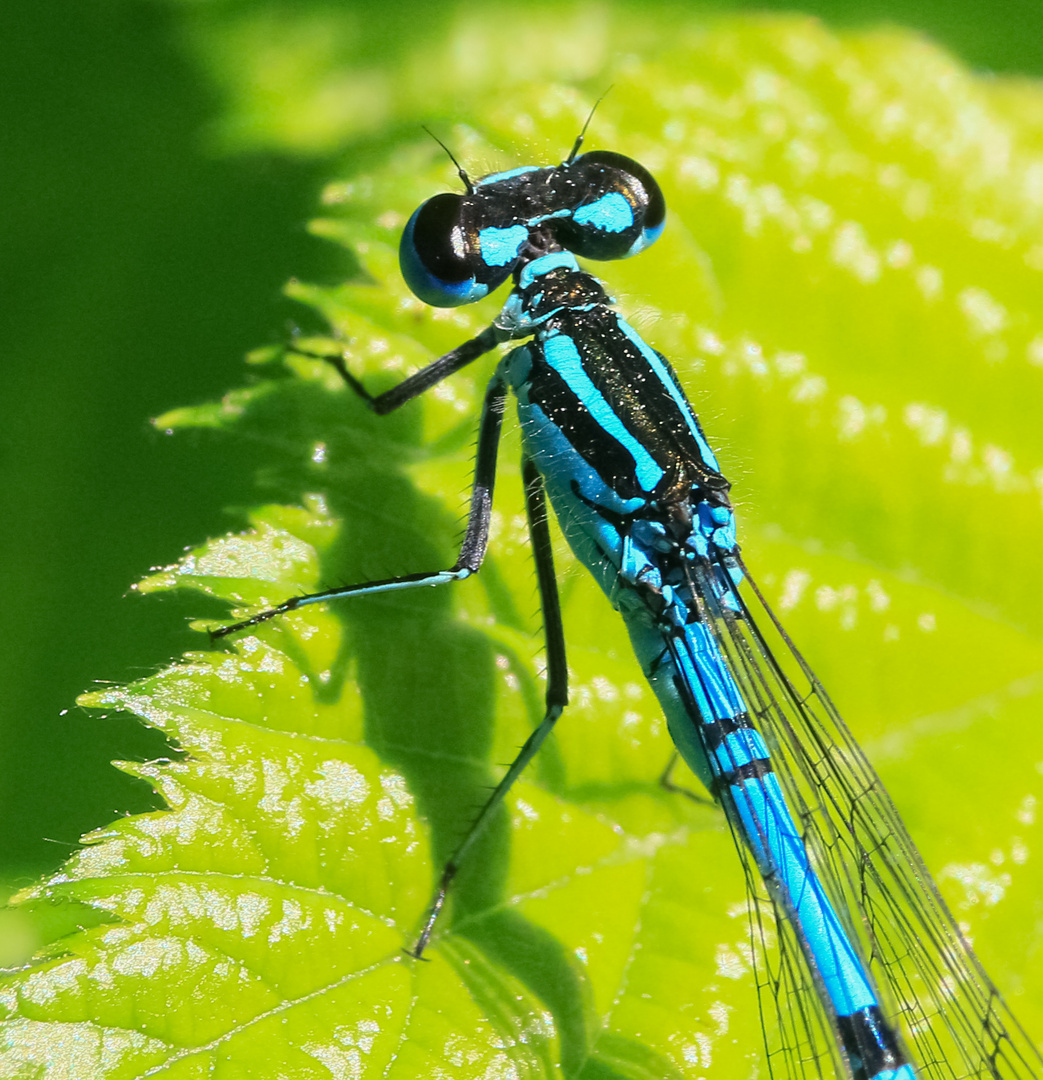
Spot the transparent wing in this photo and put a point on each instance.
(799, 1042)
(952, 1018)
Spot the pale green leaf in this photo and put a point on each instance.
(849, 287)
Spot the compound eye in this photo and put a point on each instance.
(437, 258)
(624, 212)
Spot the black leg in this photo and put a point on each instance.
(421, 380)
(557, 690)
(666, 781)
(472, 550)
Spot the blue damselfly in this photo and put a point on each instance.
(870, 976)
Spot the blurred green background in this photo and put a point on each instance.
(143, 253)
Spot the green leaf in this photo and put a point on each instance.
(848, 287)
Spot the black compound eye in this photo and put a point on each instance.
(623, 211)
(438, 240)
(633, 176)
(437, 256)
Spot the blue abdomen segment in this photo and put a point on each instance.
(712, 729)
(745, 778)
(778, 848)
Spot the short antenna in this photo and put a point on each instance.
(464, 178)
(590, 116)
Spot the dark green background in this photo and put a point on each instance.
(137, 269)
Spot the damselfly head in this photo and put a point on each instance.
(600, 205)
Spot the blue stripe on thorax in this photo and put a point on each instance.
(560, 351)
(595, 541)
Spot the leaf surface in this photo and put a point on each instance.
(848, 287)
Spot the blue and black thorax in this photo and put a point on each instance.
(587, 385)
